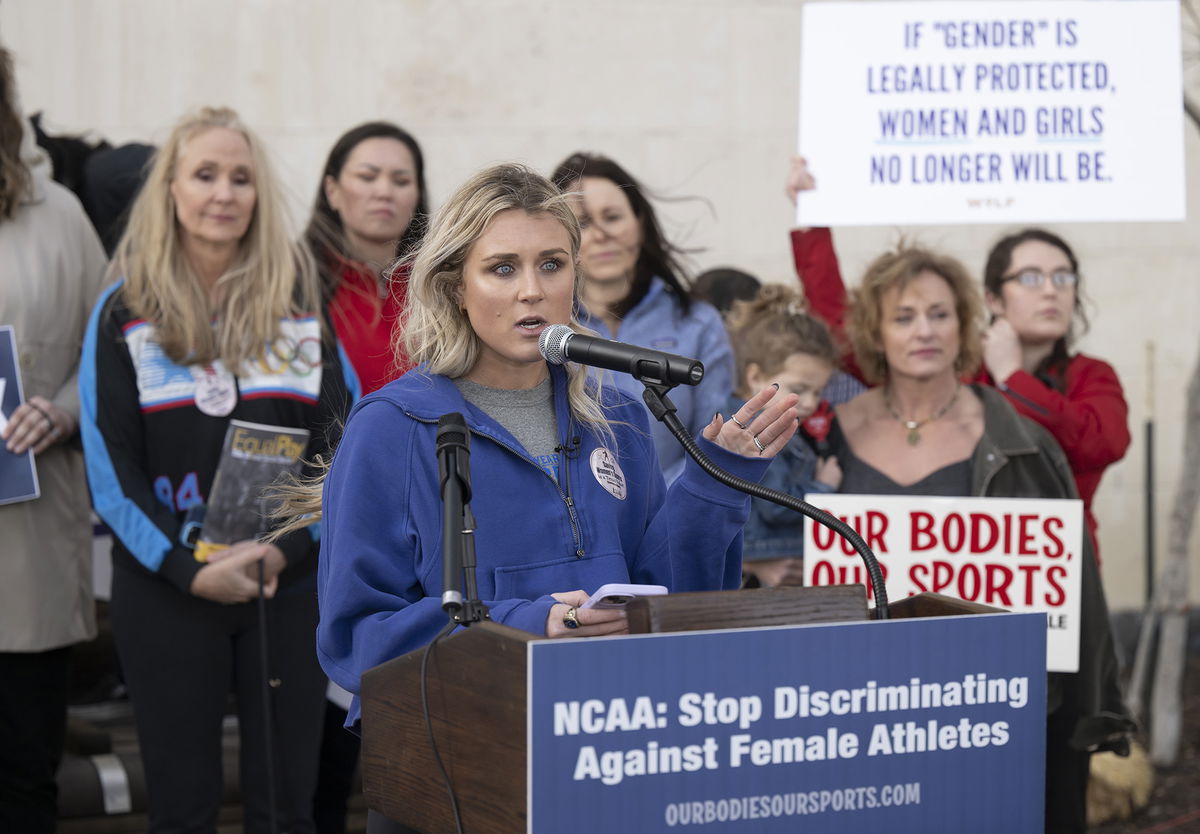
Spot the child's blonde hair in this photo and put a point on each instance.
(772, 326)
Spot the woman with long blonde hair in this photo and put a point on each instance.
(214, 318)
(573, 462)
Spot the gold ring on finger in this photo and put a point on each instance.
(571, 618)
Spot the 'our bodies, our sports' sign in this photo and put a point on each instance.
(991, 111)
(1021, 554)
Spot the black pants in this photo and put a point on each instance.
(1067, 772)
(335, 775)
(182, 656)
(33, 721)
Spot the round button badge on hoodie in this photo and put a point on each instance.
(608, 472)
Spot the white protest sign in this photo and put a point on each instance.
(1021, 554)
(1014, 111)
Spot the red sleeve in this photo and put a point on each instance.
(1090, 421)
(821, 278)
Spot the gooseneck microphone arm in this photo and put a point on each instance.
(663, 410)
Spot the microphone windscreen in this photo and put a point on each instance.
(452, 431)
(552, 344)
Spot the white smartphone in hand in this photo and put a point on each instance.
(618, 595)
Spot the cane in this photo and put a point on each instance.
(1149, 473)
(268, 716)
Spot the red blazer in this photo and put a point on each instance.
(1089, 418)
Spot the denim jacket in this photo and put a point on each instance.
(658, 322)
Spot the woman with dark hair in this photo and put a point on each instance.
(1031, 282)
(725, 286)
(370, 210)
(635, 291)
(915, 323)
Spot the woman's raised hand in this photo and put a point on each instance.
(1001, 350)
(760, 428)
(799, 179)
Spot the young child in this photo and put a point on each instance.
(776, 341)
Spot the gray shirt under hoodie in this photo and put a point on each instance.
(527, 414)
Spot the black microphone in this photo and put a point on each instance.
(559, 343)
(454, 478)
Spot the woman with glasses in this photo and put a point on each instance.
(1031, 283)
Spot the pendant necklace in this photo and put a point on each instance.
(914, 426)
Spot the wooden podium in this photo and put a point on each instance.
(476, 687)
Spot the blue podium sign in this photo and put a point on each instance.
(933, 724)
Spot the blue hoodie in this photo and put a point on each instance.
(380, 572)
(658, 322)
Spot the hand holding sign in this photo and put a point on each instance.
(36, 424)
(799, 179)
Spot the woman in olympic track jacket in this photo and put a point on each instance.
(213, 320)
